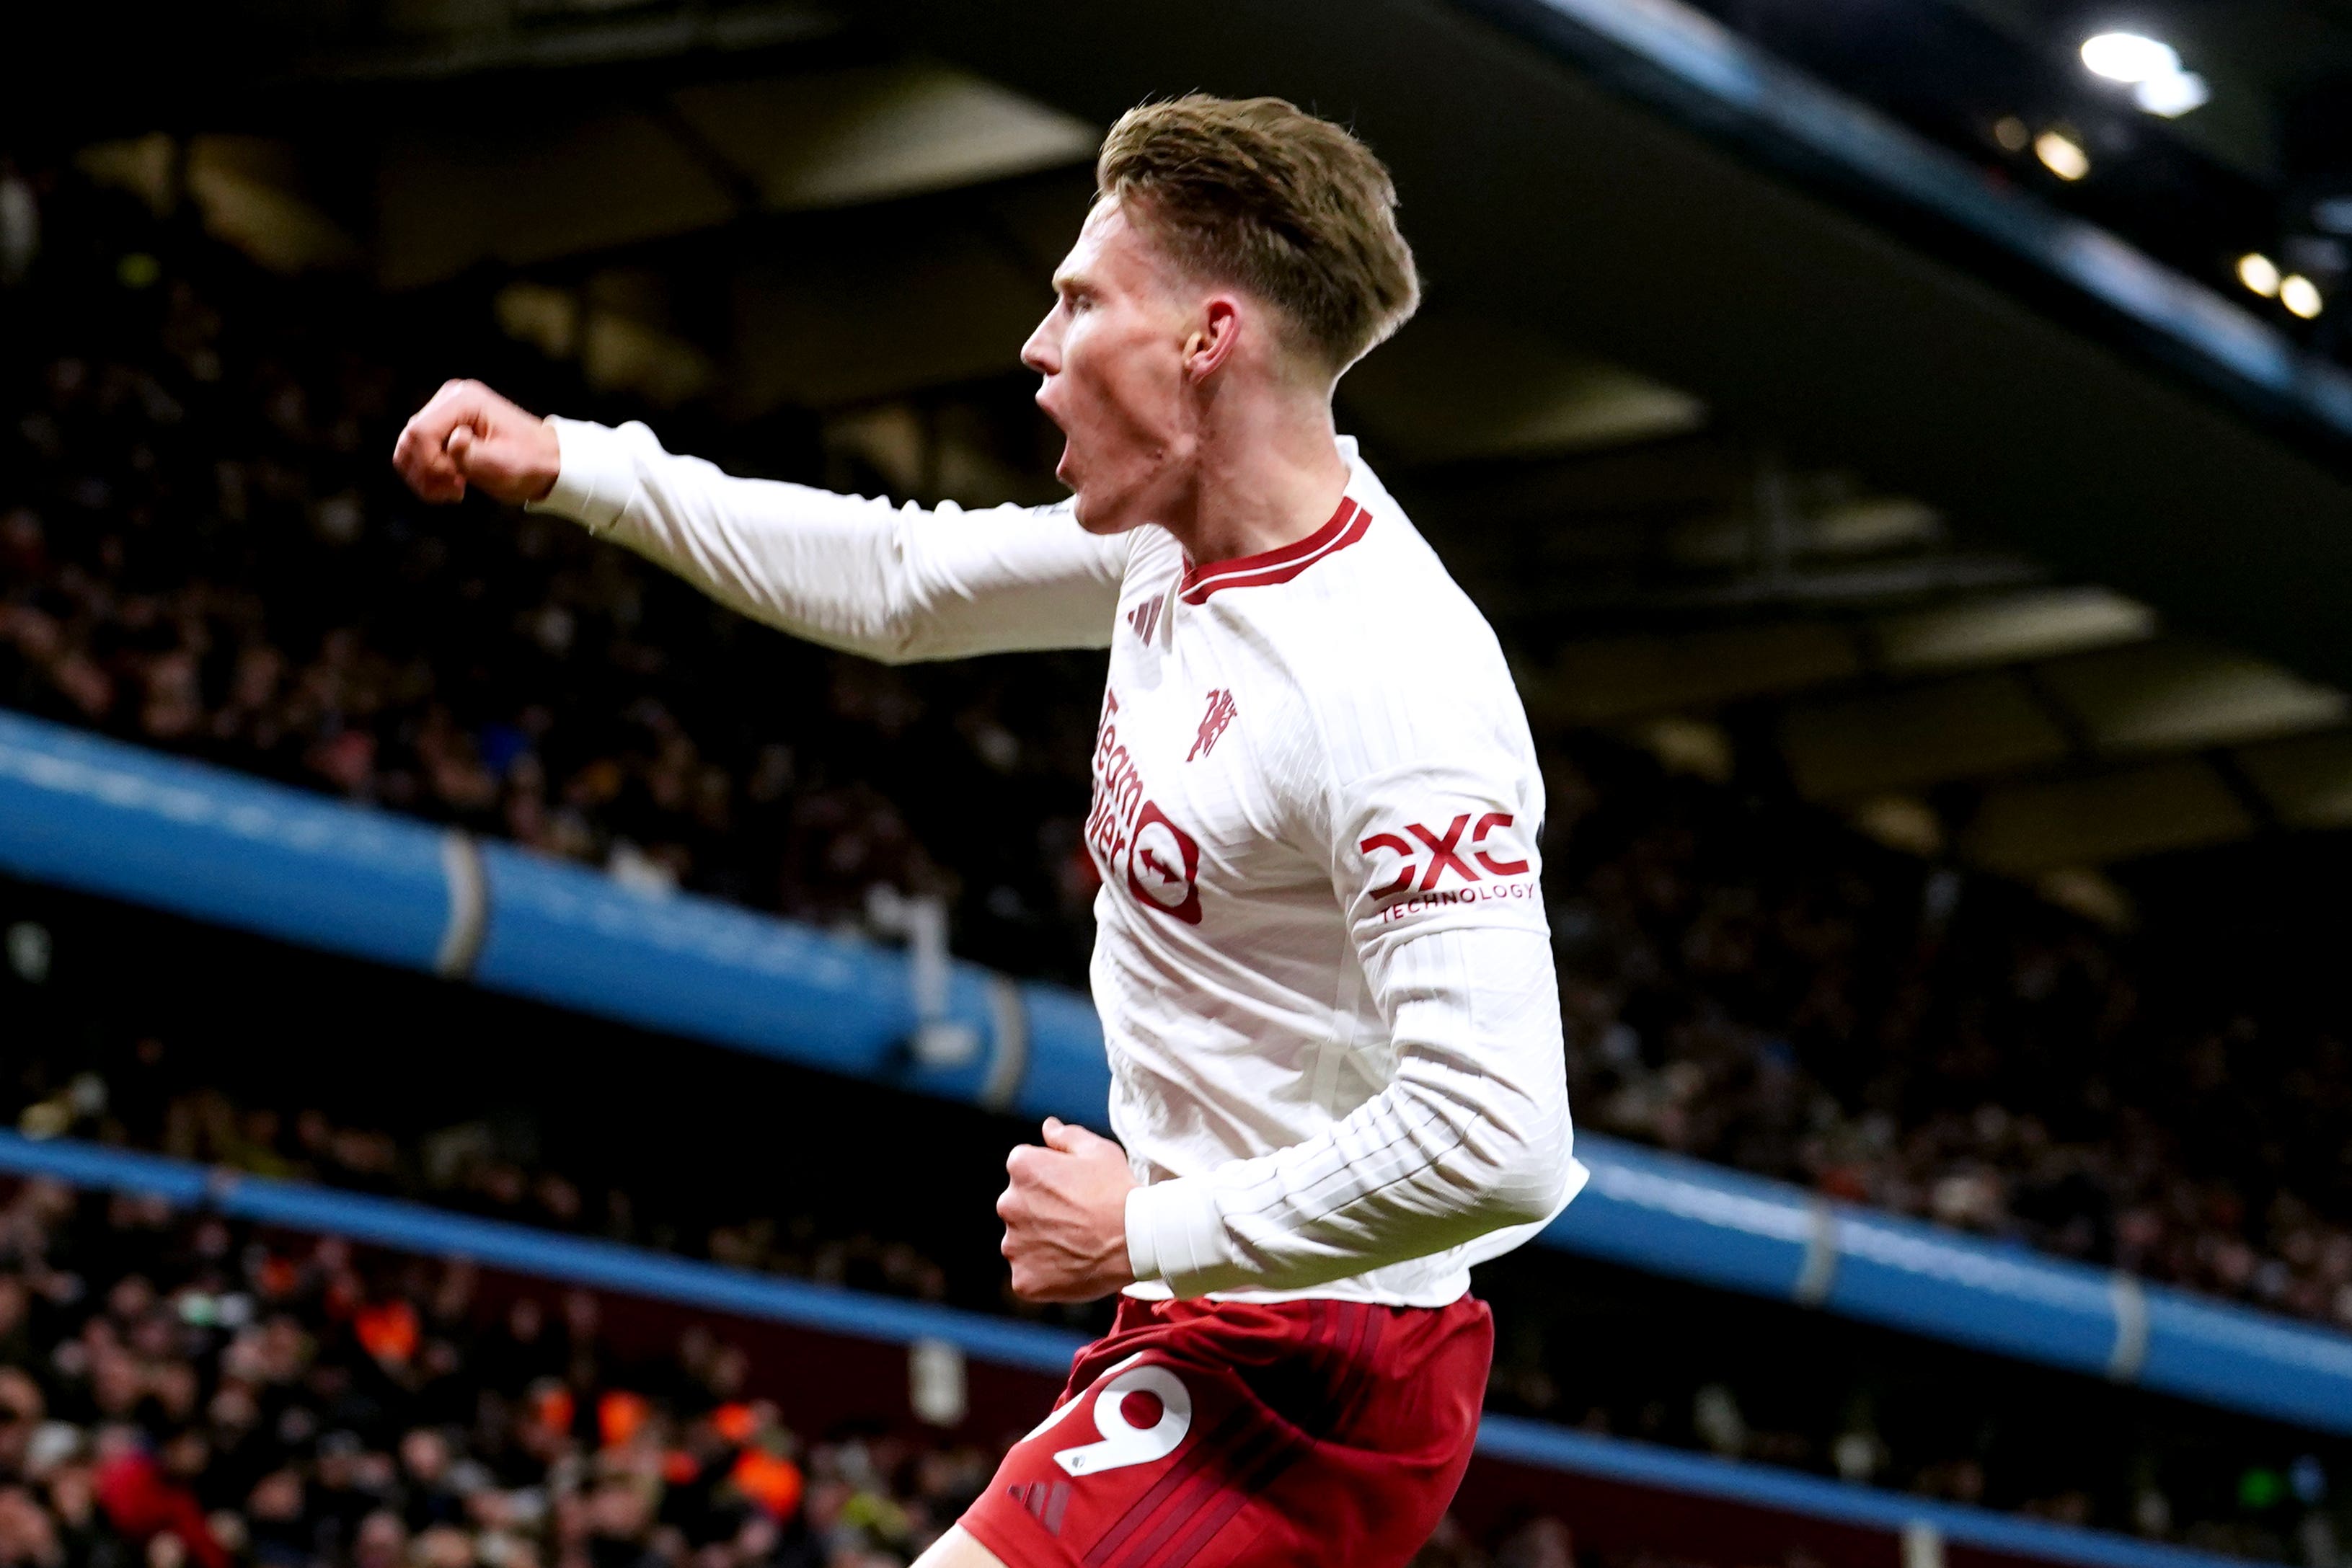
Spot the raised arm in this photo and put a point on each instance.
(896, 584)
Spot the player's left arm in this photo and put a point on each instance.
(1432, 815)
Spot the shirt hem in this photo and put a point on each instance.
(1445, 1293)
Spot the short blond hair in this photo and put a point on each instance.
(1257, 193)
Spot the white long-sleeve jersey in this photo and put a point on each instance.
(1321, 960)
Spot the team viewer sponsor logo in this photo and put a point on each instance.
(1476, 853)
(1164, 868)
(1135, 844)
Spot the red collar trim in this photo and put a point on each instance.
(1268, 567)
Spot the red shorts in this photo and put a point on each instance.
(1242, 1435)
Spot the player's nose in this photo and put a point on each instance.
(1043, 351)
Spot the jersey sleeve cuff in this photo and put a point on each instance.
(1174, 1234)
(593, 477)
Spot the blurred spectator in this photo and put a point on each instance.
(317, 1447)
(355, 1466)
(1750, 982)
(203, 548)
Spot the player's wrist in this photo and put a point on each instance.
(547, 451)
(1142, 1257)
(1176, 1230)
(591, 477)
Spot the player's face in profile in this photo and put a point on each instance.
(1112, 353)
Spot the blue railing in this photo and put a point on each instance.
(92, 815)
(574, 1260)
(79, 810)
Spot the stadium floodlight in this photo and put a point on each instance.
(2151, 68)
(2062, 155)
(2129, 57)
(2170, 97)
(2259, 273)
(2301, 295)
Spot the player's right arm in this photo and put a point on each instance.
(895, 584)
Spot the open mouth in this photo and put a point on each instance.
(1062, 465)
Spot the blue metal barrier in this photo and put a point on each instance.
(91, 813)
(414, 1228)
(111, 818)
(571, 1259)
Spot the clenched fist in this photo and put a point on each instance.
(1065, 1216)
(469, 434)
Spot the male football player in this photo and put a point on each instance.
(1321, 960)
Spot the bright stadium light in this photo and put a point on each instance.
(2170, 97)
(2259, 273)
(2062, 155)
(2301, 295)
(2151, 68)
(2129, 57)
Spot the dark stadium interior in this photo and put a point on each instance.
(1937, 674)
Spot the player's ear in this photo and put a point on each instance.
(1215, 337)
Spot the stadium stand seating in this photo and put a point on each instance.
(206, 553)
(186, 1390)
(725, 1161)
(508, 1386)
(201, 552)
(1762, 987)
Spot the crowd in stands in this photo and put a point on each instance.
(2260, 1496)
(201, 550)
(177, 1391)
(1764, 987)
(467, 1168)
